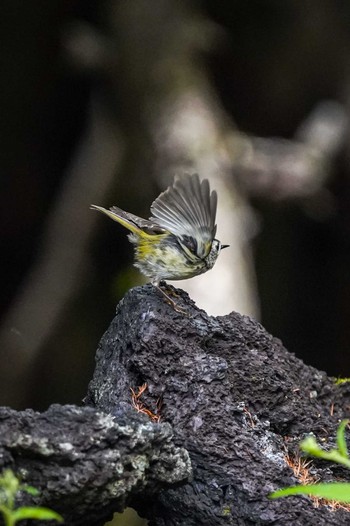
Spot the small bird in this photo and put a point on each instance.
(178, 240)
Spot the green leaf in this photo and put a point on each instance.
(309, 445)
(341, 443)
(332, 491)
(30, 489)
(340, 381)
(9, 482)
(36, 513)
(7, 513)
(3, 495)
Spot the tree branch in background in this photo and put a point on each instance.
(58, 272)
(280, 169)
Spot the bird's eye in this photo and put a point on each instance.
(190, 243)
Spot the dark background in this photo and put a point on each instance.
(271, 64)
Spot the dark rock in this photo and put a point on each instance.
(224, 389)
(86, 463)
(236, 399)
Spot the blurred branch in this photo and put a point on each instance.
(85, 48)
(62, 262)
(280, 169)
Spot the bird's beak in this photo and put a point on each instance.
(224, 246)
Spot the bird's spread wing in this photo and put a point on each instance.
(188, 209)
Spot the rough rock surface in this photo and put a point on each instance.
(87, 464)
(237, 400)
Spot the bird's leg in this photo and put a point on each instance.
(163, 283)
(168, 298)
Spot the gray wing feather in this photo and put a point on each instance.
(187, 207)
(151, 227)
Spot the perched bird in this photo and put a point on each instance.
(178, 241)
